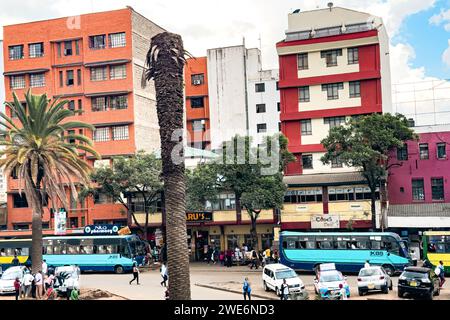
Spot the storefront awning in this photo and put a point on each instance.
(21, 72)
(420, 210)
(326, 179)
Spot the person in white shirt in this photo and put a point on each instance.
(27, 280)
(367, 264)
(44, 267)
(343, 292)
(164, 275)
(38, 281)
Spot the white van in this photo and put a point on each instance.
(274, 274)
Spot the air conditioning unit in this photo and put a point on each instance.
(197, 82)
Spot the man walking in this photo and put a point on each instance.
(27, 281)
(164, 274)
(135, 273)
(284, 290)
(38, 282)
(17, 288)
(441, 274)
(15, 261)
(247, 290)
(44, 267)
(254, 260)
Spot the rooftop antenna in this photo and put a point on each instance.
(330, 5)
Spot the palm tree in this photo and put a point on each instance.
(166, 63)
(45, 160)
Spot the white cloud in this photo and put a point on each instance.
(446, 55)
(442, 17)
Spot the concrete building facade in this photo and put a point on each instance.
(99, 67)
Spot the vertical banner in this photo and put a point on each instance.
(60, 222)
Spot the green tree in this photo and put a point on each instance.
(139, 176)
(166, 66)
(44, 156)
(365, 143)
(201, 186)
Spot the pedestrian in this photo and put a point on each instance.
(284, 290)
(367, 264)
(247, 290)
(275, 256)
(229, 257)
(254, 259)
(51, 294)
(163, 271)
(15, 261)
(441, 274)
(17, 288)
(237, 255)
(44, 267)
(166, 294)
(209, 255)
(74, 295)
(27, 282)
(48, 282)
(222, 258)
(342, 292)
(38, 282)
(268, 255)
(135, 273)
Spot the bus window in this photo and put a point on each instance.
(73, 246)
(440, 247)
(48, 246)
(324, 243)
(310, 245)
(341, 243)
(362, 243)
(391, 245)
(284, 244)
(10, 252)
(375, 245)
(59, 247)
(290, 243)
(86, 246)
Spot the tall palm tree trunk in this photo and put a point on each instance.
(34, 199)
(166, 61)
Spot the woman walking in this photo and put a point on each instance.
(135, 273)
(163, 272)
(247, 290)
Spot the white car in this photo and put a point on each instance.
(328, 280)
(373, 278)
(67, 277)
(274, 274)
(8, 278)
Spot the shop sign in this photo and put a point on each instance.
(325, 222)
(199, 217)
(60, 222)
(101, 230)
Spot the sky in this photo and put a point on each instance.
(419, 30)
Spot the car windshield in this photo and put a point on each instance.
(369, 272)
(414, 275)
(330, 277)
(11, 275)
(285, 274)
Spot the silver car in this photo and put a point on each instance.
(373, 279)
(8, 277)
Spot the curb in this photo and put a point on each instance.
(233, 291)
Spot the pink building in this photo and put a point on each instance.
(419, 189)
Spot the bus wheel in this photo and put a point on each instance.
(389, 270)
(118, 269)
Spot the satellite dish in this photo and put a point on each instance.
(296, 11)
(330, 5)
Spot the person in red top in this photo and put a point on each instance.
(17, 288)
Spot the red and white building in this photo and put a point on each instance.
(334, 64)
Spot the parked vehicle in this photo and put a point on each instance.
(8, 277)
(418, 281)
(327, 281)
(67, 278)
(274, 274)
(373, 279)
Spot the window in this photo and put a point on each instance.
(16, 52)
(17, 82)
(437, 189)
(117, 40)
(68, 48)
(69, 80)
(332, 90)
(71, 105)
(260, 87)
(418, 191)
(99, 104)
(424, 152)
(61, 79)
(118, 72)
(197, 102)
(307, 161)
(279, 126)
(306, 127)
(79, 77)
(261, 128)
(402, 153)
(331, 56)
(334, 121)
(77, 47)
(80, 105)
(72, 141)
(118, 102)
(303, 196)
(260, 108)
(197, 79)
(37, 80)
(101, 134)
(302, 59)
(36, 50)
(120, 133)
(97, 42)
(98, 74)
(278, 106)
(336, 163)
(21, 227)
(58, 46)
(353, 56)
(355, 89)
(19, 201)
(304, 94)
(198, 125)
(441, 150)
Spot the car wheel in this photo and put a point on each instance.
(360, 292)
(266, 288)
(278, 291)
(385, 289)
(118, 270)
(389, 270)
(400, 294)
(438, 292)
(390, 287)
(430, 295)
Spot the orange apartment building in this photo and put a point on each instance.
(96, 61)
(197, 104)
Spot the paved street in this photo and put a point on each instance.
(219, 277)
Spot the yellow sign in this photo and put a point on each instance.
(124, 231)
